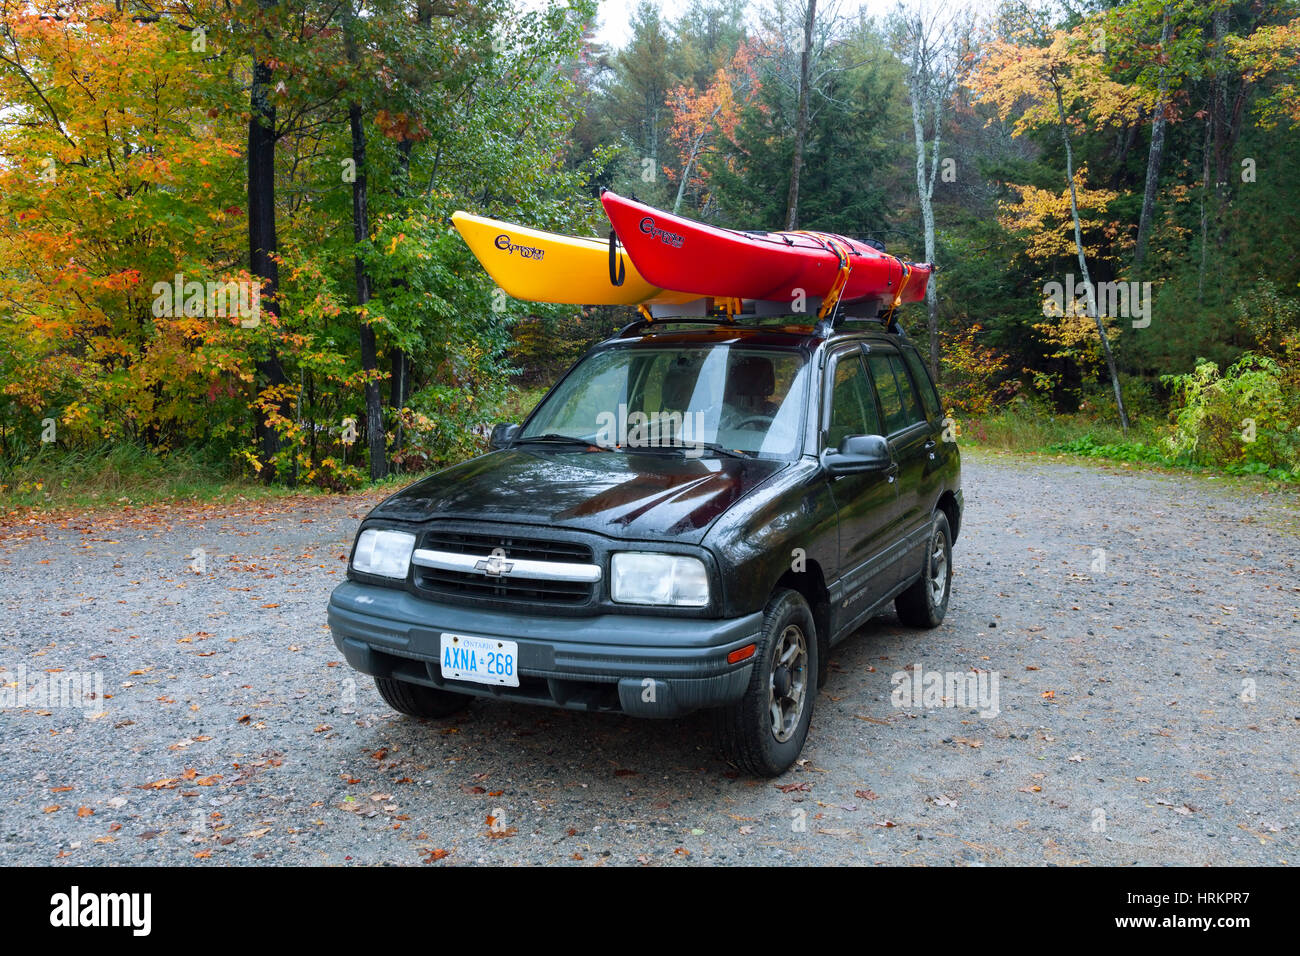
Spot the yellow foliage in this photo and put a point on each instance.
(1042, 219)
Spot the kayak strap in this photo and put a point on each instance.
(831, 244)
(832, 297)
(617, 271)
(898, 298)
(645, 313)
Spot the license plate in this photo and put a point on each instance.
(480, 659)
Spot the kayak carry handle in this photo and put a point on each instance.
(617, 271)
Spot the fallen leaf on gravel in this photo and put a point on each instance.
(834, 831)
(436, 855)
(643, 860)
(61, 789)
(866, 794)
(51, 809)
(105, 839)
(203, 854)
(746, 830)
(1049, 695)
(473, 790)
(968, 742)
(1077, 758)
(682, 851)
(792, 787)
(117, 803)
(943, 800)
(502, 833)
(1034, 789)
(886, 823)
(322, 728)
(625, 773)
(381, 797)
(85, 812)
(1143, 779)
(243, 720)
(872, 720)
(207, 781)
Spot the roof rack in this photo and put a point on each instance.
(721, 313)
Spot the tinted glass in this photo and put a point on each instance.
(853, 410)
(929, 397)
(911, 404)
(891, 400)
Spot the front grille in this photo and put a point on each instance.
(512, 588)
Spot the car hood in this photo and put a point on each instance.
(624, 494)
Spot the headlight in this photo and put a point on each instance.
(387, 553)
(670, 579)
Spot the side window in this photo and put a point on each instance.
(891, 398)
(907, 392)
(853, 410)
(929, 397)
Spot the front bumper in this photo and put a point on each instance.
(640, 664)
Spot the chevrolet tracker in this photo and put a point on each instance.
(691, 518)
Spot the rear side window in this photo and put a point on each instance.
(929, 397)
(853, 409)
(891, 399)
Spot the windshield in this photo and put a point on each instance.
(718, 398)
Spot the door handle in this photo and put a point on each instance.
(930, 443)
(892, 472)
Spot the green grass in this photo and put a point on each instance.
(116, 475)
(112, 476)
(1028, 429)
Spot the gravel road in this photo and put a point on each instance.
(1143, 630)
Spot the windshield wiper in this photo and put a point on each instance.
(712, 447)
(553, 438)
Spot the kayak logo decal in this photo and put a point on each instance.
(648, 227)
(525, 252)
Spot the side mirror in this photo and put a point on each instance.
(502, 435)
(858, 453)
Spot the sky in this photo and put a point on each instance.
(616, 14)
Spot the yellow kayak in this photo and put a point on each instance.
(549, 267)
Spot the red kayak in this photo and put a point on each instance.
(688, 256)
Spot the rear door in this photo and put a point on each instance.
(865, 503)
(912, 439)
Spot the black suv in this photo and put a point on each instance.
(691, 518)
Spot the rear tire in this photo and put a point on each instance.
(925, 603)
(415, 700)
(763, 733)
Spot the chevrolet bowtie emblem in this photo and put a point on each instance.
(494, 566)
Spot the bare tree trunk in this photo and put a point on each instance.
(261, 235)
(920, 94)
(360, 233)
(1153, 158)
(1083, 264)
(801, 117)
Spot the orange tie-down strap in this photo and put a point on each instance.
(832, 244)
(907, 277)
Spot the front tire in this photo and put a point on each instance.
(415, 700)
(764, 732)
(925, 603)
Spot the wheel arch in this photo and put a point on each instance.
(811, 584)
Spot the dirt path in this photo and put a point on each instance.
(1148, 709)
